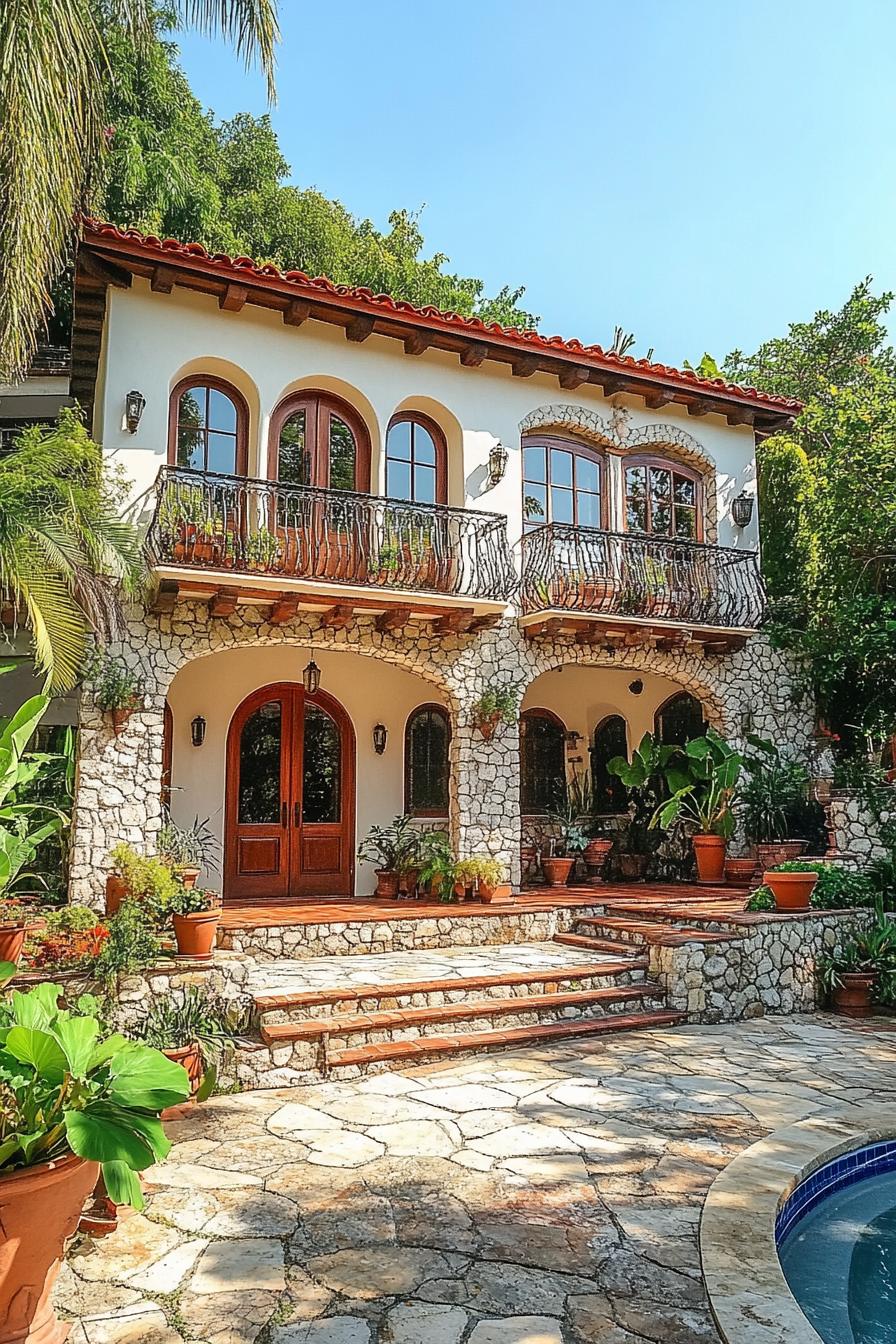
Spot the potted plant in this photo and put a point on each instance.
(117, 689)
(850, 975)
(497, 704)
(771, 794)
(739, 872)
(13, 928)
(186, 849)
(180, 513)
(262, 550)
(581, 800)
(195, 1029)
(74, 1097)
(195, 914)
(703, 795)
(481, 875)
(392, 849)
(437, 864)
(791, 887)
(644, 777)
(139, 877)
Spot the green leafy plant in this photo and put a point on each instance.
(68, 1087)
(644, 777)
(500, 703)
(569, 819)
(147, 878)
(197, 1017)
(24, 826)
(479, 868)
(115, 685)
(436, 858)
(393, 848)
(71, 939)
(837, 888)
(182, 506)
(187, 846)
(870, 953)
(262, 550)
(192, 900)
(132, 943)
(704, 788)
(771, 791)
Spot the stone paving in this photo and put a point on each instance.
(544, 1196)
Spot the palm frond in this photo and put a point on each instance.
(251, 25)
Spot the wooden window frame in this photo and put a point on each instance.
(429, 705)
(539, 712)
(670, 700)
(675, 468)
(318, 406)
(209, 380)
(602, 723)
(441, 447)
(578, 448)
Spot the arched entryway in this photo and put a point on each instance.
(290, 798)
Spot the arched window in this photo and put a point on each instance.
(167, 753)
(416, 460)
(663, 498)
(208, 427)
(562, 483)
(542, 761)
(318, 439)
(426, 738)
(679, 720)
(610, 739)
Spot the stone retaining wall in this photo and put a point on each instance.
(857, 828)
(767, 967)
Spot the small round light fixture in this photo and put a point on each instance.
(380, 734)
(197, 731)
(742, 509)
(497, 463)
(134, 406)
(636, 686)
(311, 677)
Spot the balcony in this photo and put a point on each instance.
(620, 587)
(364, 550)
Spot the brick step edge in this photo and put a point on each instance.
(389, 1051)
(597, 944)
(283, 1033)
(319, 998)
(635, 933)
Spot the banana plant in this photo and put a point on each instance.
(23, 826)
(704, 790)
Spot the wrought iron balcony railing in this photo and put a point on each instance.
(209, 521)
(622, 574)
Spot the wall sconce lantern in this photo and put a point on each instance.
(134, 405)
(742, 509)
(311, 678)
(197, 731)
(636, 687)
(380, 734)
(497, 463)
(573, 739)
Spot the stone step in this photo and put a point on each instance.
(636, 932)
(355, 1060)
(597, 973)
(411, 1023)
(589, 942)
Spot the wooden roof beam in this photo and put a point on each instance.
(525, 366)
(417, 342)
(284, 609)
(394, 619)
(223, 602)
(472, 355)
(104, 271)
(296, 312)
(739, 415)
(360, 328)
(485, 623)
(163, 280)
(233, 298)
(699, 407)
(661, 397)
(337, 618)
(572, 378)
(455, 622)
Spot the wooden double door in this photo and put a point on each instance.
(290, 802)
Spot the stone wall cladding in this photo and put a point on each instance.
(771, 969)
(119, 778)
(858, 829)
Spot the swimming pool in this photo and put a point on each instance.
(836, 1238)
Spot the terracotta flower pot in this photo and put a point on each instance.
(709, 851)
(39, 1211)
(792, 891)
(119, 718)
(12, 940)
(595, 853)
(739, 872)
(487, 725)
(116, 891)
(407, 881)
(633, 867)
(189, 877)
(386, 884)
(195, 934)
(778, 851)
(556, 871)
(489, 894)
(853, 996)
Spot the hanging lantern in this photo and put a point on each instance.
(311, 678)
(380, 734)
(134, 406)
(742, 509)
(497, 463)
(197, 731)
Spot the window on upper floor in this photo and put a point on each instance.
(416, 460)
(319, 440)
(662, 499)
(542, 761)
(426, 738)
(208, 427)
(563, 482)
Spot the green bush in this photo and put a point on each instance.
(836, 889)
(131, 945)
(785, 490)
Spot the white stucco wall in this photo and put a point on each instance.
(583, 698)
(153, 340)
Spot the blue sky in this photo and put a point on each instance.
(700, 174)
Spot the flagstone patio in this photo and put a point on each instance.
(544, 1196)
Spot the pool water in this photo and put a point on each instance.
(840, 1263)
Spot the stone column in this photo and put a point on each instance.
(485, 792)
(118, 789)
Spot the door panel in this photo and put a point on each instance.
(290, 796)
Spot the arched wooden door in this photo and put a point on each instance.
(290, 804)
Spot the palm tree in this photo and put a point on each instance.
(52, 131)
(65, 552)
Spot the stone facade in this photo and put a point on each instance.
(858, 830)
(119, 777)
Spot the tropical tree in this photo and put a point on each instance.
(53, 129)
(65, 552)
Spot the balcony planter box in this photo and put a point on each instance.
(578, 594)
(186, 541)
(39, 1210)
(709, 851)
(792, 891)
(852, 998)
(556, 871)
(386, 884)
(195, 934)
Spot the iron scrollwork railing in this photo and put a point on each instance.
(210, 521)
(622, 574)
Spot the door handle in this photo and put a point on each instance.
(284, 814)
(297, 815)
